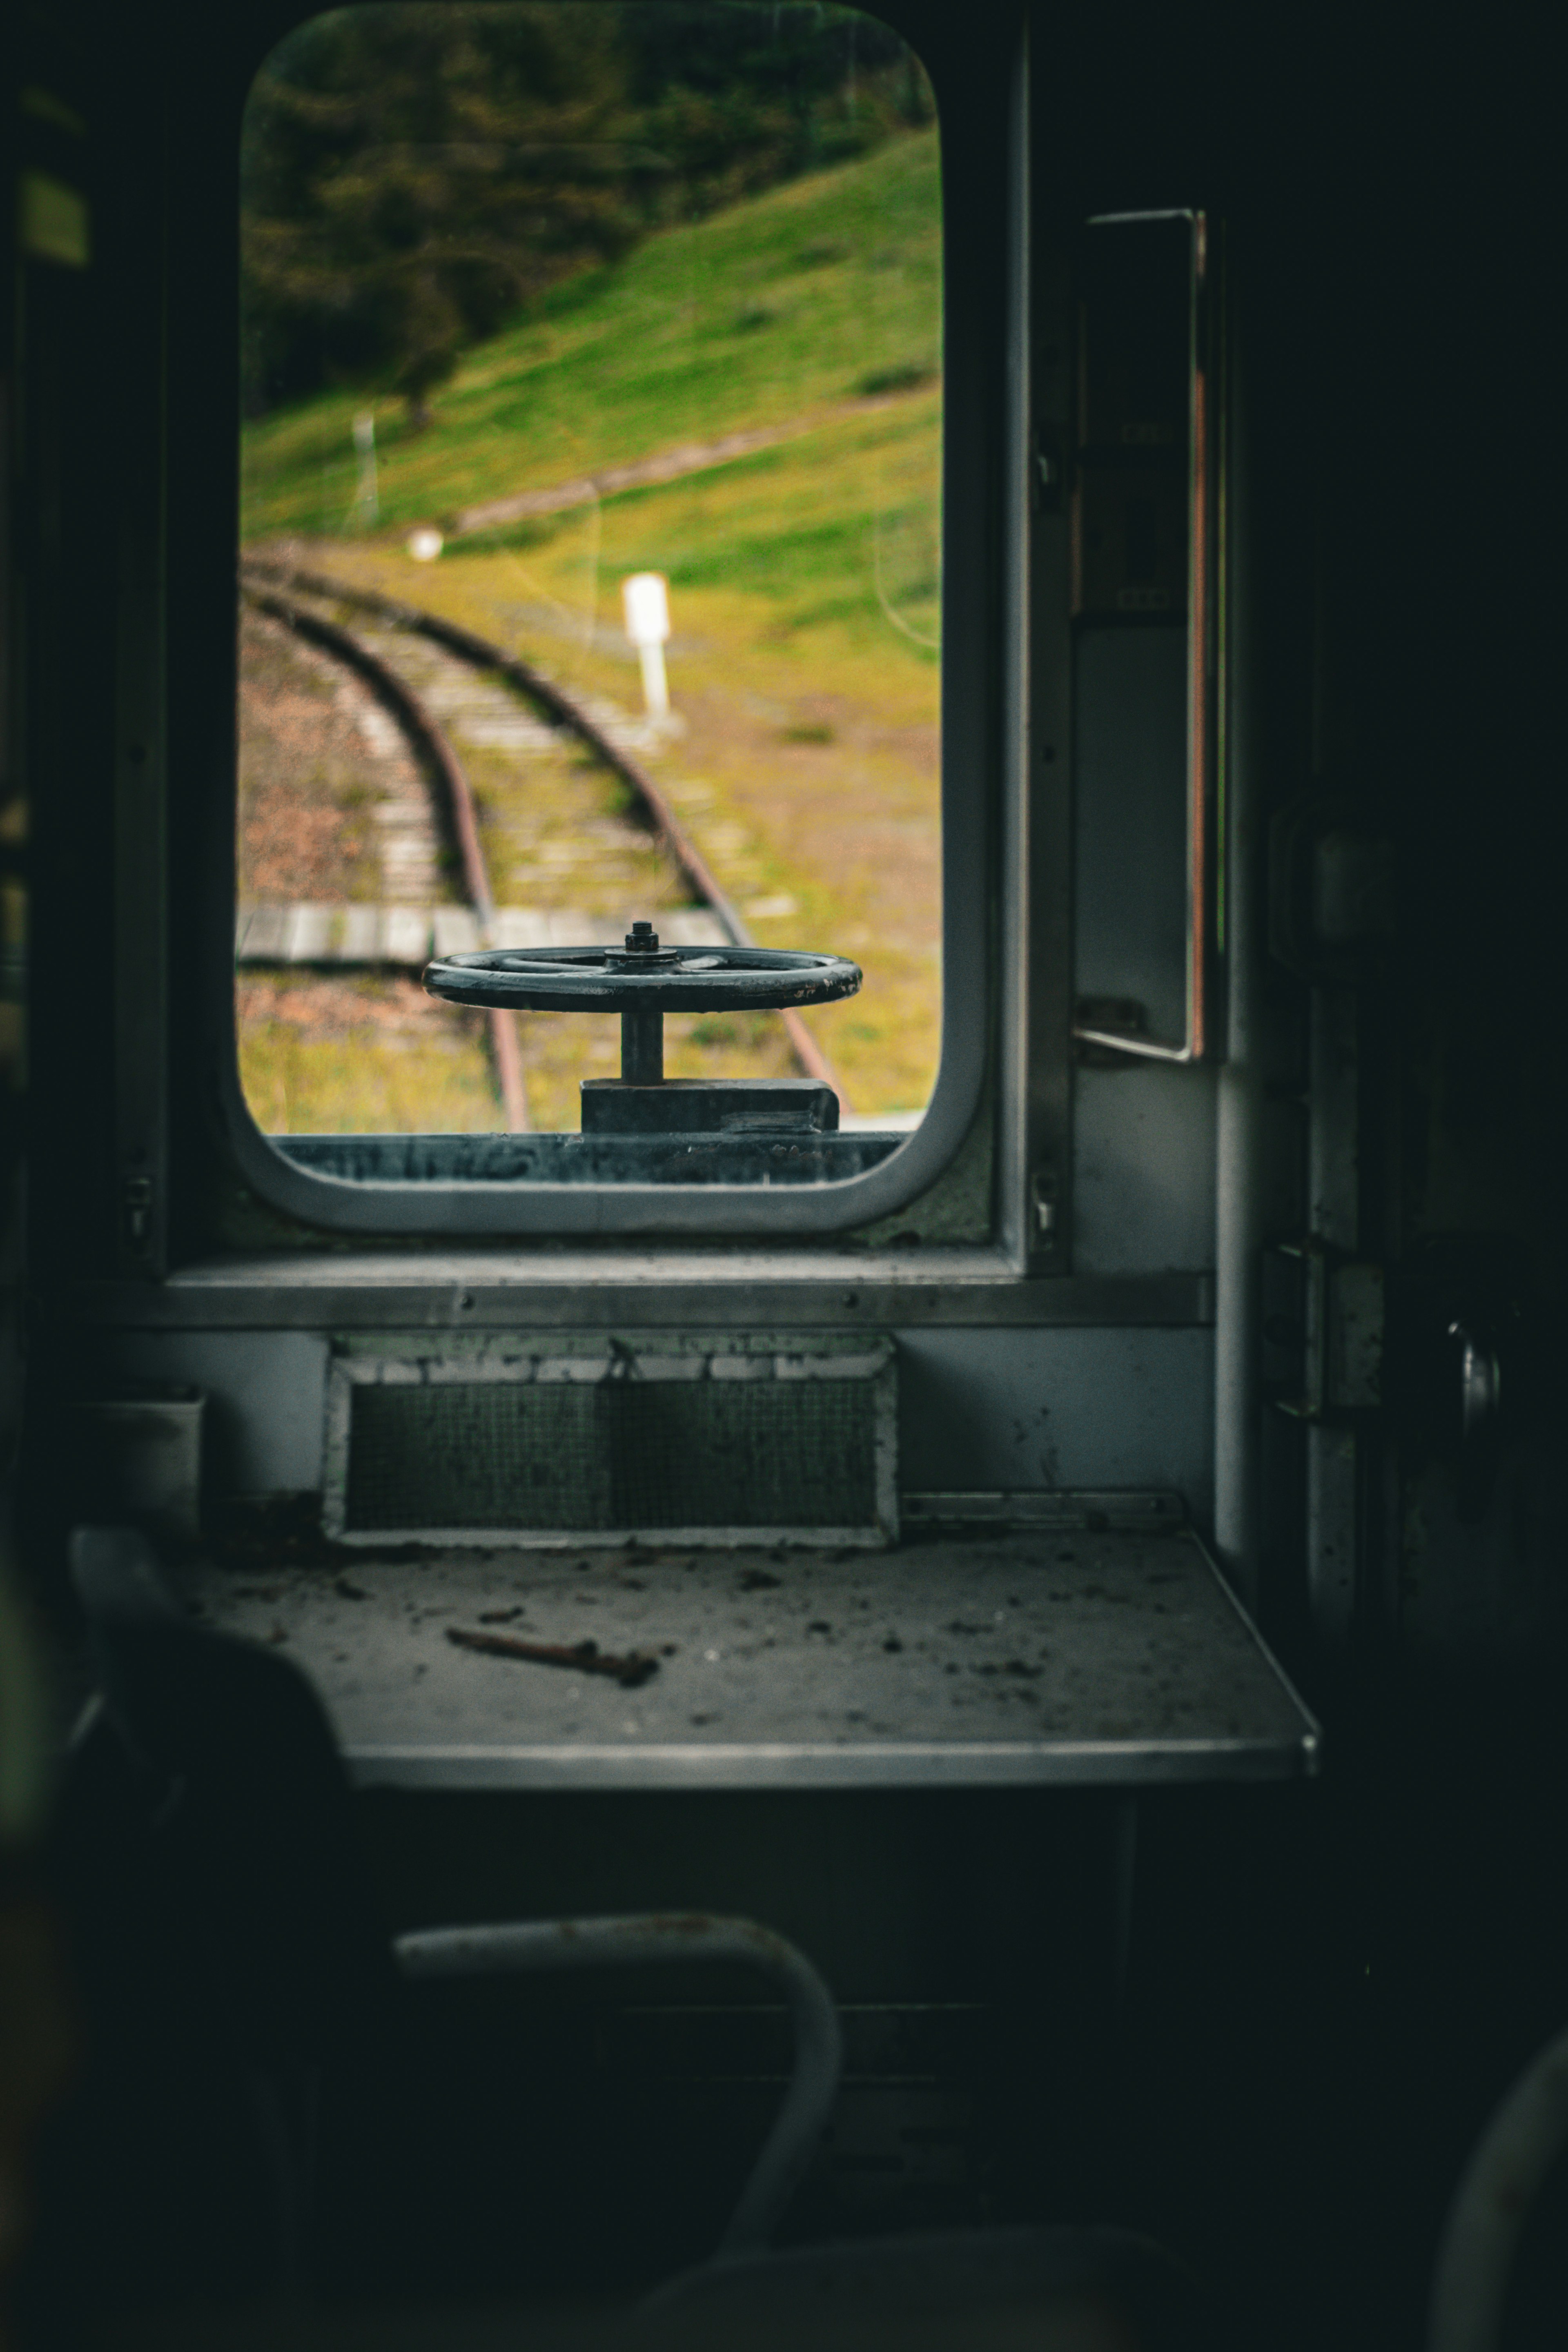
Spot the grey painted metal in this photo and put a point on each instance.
(656, 1939)
(1011, 1409)
(988, 1662)
(1036, 1192)
(294, 1290)
(1144, 1168)
(269, 1391)
(266, 1394)
(754, 1209)
(1492, 2206)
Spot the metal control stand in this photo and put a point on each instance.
(644, 980)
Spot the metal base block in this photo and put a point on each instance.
(709, 1107)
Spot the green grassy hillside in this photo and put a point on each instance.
(822, 290)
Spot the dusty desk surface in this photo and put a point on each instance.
(1111, 1658)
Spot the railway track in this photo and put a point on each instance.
(433, 751)
(560, 869)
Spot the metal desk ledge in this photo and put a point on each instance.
(1045, 1657)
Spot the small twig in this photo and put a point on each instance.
(631, 1671)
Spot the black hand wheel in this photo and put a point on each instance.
(642, 981)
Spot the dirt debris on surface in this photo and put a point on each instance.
(1095, 1656)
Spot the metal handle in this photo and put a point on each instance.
(536, 1946)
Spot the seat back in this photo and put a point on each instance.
(255, 1807)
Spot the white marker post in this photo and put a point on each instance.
(646, 600)
(367, 499)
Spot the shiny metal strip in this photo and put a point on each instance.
(1086, 1763)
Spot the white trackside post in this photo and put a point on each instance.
(645, 598)
(366, 500)
(655, 685)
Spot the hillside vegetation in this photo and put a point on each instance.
(823, 290)
(411, 172)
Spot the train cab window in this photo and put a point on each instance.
(591, 849)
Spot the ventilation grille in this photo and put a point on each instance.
(736, 1444)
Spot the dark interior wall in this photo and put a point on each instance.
(1386, 182)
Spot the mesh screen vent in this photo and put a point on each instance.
(740, 1444)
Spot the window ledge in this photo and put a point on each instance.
(575, 1289)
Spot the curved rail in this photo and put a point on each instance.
(427, 737)
(471, 647)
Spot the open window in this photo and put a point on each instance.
(592, 576)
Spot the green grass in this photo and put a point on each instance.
(794, 300)
(362, 1081)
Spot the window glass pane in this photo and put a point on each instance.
(537, 301)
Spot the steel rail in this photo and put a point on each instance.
(428, 738)
(483, 655)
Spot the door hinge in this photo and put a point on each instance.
(1325, 1331)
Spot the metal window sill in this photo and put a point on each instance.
(466, 1290)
